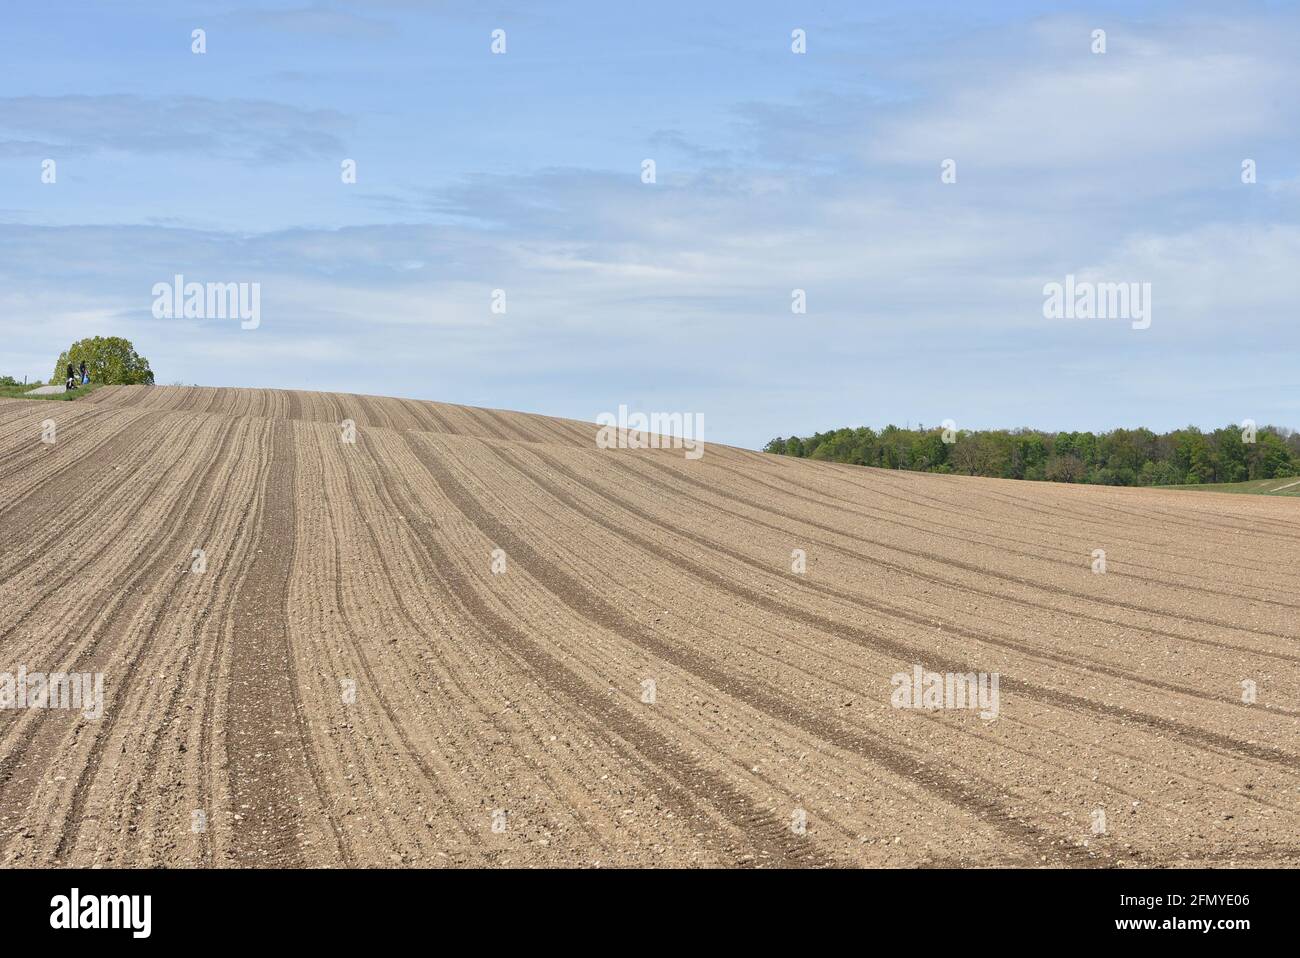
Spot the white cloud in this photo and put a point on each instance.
(1157, 93)
(924, 299)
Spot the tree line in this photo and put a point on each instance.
(1121, 457)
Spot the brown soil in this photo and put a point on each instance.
(350, 683)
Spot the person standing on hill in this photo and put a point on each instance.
(84, 378)
(72, 378)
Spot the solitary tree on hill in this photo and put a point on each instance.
(109, 359)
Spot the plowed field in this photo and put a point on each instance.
(473, 638)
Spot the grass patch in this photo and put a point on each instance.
(20, 392)
(1253, 487)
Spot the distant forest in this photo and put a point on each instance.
(1121, 457)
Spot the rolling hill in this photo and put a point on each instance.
(471, 637)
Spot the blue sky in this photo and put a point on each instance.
(775, 171)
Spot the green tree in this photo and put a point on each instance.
(931, 451)
(1201, 466)
(1067, 468)
(776, 446)
(1270, 458)
(1030, 454)
(109, 359)
(1232, 455)
(966, 455)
